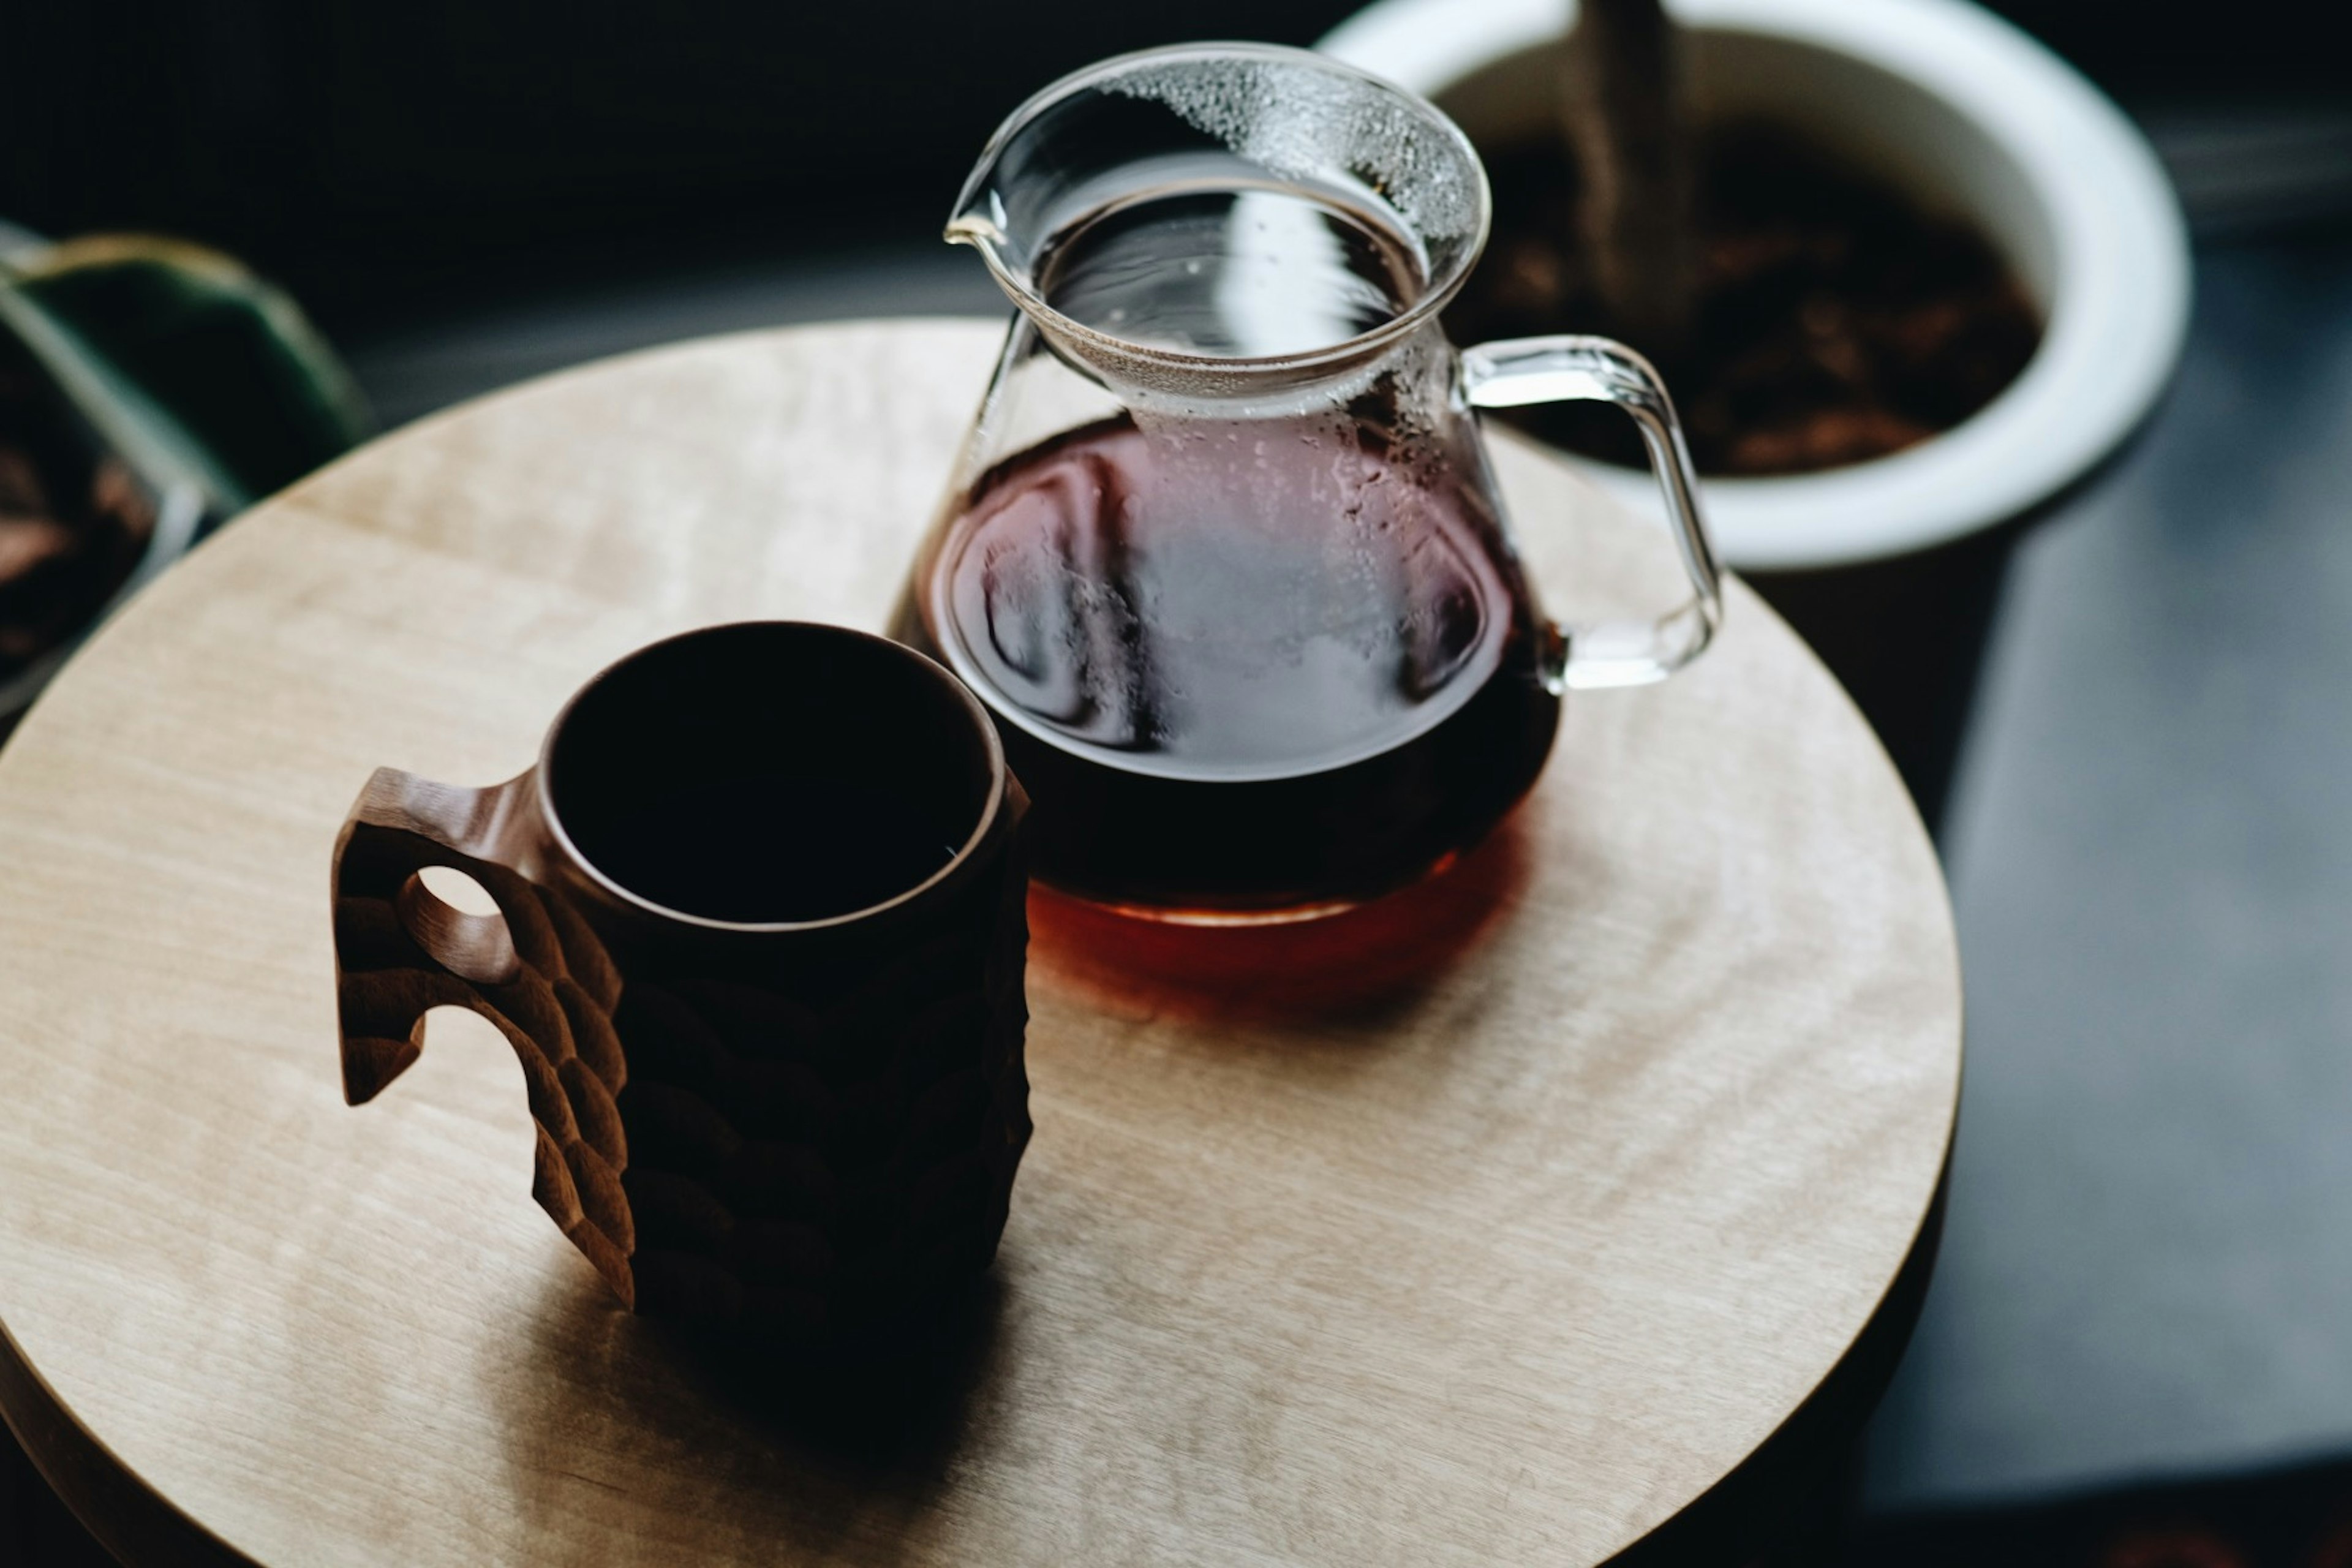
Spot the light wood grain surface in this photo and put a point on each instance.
(1496, 1247)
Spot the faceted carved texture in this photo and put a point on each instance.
(813, 1147)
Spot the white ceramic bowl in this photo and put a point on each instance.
(1971, 117)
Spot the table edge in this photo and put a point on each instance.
(128, 1516)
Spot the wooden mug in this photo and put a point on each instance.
(751, 1106)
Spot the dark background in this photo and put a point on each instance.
(386, 158)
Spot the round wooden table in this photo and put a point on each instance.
(1507, 1225)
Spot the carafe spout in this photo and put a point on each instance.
(978, 222)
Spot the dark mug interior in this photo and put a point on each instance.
(771, 773)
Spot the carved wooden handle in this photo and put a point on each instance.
(535, 970)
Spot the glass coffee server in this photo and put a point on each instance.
(1222, 553)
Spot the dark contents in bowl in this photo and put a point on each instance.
(74, 519)
(1836, 322)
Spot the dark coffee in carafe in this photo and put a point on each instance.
(1269, 671)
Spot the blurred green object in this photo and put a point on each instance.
(187, 359)
(149, 388)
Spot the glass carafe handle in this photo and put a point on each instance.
(1521, 371)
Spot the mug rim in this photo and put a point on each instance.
(1439, 294)
(992, 810)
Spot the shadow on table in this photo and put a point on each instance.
(891, 1406)
(687, 1441)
